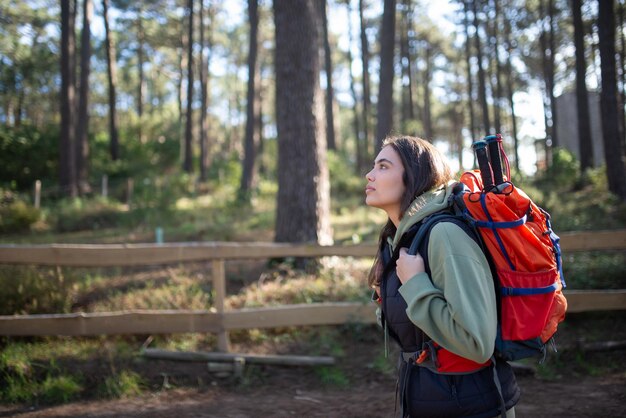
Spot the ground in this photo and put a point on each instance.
(588, 397)
(581, 384)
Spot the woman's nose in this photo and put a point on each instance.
(369, 176)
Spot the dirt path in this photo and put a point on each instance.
(587, 397)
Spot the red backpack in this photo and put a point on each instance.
(517, 239)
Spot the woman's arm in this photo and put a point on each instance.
(457, 308)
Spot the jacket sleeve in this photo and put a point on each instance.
(456, 307)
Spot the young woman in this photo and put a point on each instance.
(438, 305)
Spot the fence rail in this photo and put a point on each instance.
(218, 320)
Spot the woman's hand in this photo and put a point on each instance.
(408, 266)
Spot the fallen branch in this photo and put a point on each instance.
(201, 356)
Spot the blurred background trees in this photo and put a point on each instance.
(132, 89)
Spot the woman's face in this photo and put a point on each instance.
(385, 187)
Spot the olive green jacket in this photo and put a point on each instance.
(456, 305)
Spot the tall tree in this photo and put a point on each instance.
(482, 86)
(546, 15)
(112, 78)
(187, 158)
(251, 140)
(622, 66)
(613, 152)
(204, 93)
(384, 106)
(360, 145)
(303, 203)
(468, 64)
(82, 142)
(67, 160)
(406, 60)
(141, 85)
(510, 79)
(582, 101)
(497, 90)
(328, 69)
(367, 98)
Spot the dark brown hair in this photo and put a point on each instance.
(424, 169)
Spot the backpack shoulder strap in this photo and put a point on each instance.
(428, 223)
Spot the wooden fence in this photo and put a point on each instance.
(218, 320)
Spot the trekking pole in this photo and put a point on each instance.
(480, 149)
(494, 143)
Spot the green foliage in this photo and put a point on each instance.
(126, 383)
(27, 289)
(15, 214)
(59, 389)
(332, 376)
(24, 380)
(562, 174)
(343, 181)
(28, 154)
(88, 214)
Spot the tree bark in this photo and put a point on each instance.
(328, 69)
(360, 147)
(251, 140)
(204, 92)
(608, 100)
(303, 204)
(367, 99)
(584, 128)
(468, 60)
(112, 78)
(428, 120)
(67, 156)
(142, 83)
(510, 89)
(482, 87)
(82, 126)
(384, 107)
(187, 160)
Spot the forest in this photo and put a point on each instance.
(175, 121)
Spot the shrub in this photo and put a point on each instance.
(17, 216)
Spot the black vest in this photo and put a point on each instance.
(424, 393)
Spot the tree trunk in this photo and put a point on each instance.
(360, 147)
(551, 71)
(142, 83)
(482, 87)
(608, 100)
(384, 107)
(204, 97)
(428, 120)
(303, 205)
(67, 159)
(112, 76)
(187, 160)
(584, 128)
(622, 66)
(82, 126)
(498, 69)
(510, 89)
(251, 140)
(406, 60)
(367, 99)
(468, 61)
(328, 69)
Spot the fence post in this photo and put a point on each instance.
(37, 194)
(105, 185)
(219, 285)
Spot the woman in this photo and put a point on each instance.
(438, 305)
